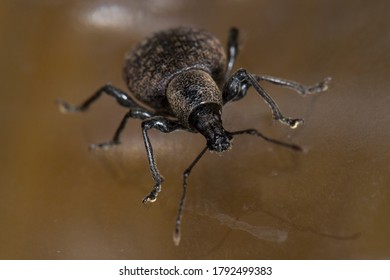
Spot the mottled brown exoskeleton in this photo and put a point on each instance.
(183, 75)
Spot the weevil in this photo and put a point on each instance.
(184, 77)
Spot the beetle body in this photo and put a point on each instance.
(182, 74)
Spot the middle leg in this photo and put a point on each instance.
(120, 96)
(135, 111)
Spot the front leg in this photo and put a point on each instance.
(237, 86)
(298, 87)
(239, 83)
(164, 125)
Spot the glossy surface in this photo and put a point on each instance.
(258, 201)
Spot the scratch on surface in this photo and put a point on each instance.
(260, 232)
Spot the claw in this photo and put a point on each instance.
(149, 198)
(292, 123)
(320, 87)
(152, 196)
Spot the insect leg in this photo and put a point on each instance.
(164, 125)
(136, 113)
(232, 49)
(176, 236)
(258, 134)
(121, 97)
(239, 83)
(300, 88)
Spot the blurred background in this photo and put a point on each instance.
(58, 200)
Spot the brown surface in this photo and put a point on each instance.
(60, 201)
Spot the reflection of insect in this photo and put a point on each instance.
(183, 75)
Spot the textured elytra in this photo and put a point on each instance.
(151, 65)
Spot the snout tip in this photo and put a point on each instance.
(220, 144)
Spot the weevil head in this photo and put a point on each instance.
(206, 119)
